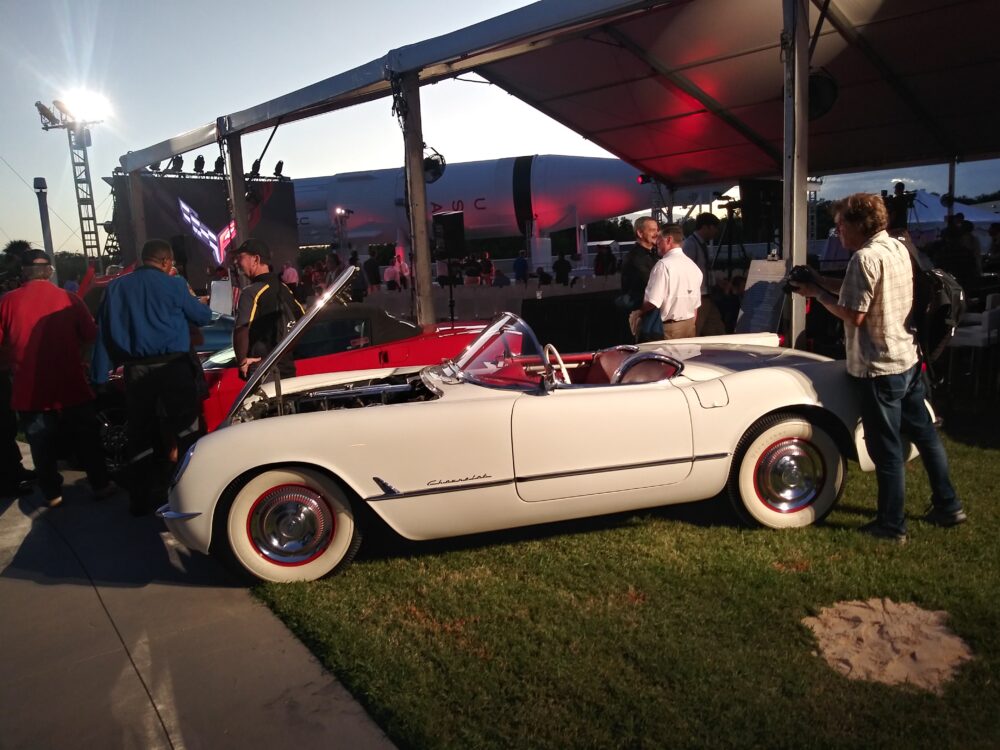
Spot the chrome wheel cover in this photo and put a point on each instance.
(789, 475)
(291, 524)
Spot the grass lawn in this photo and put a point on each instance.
(674, 628)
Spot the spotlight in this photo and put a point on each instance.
(48, 116)
(199, 164)
(176, 164)
(63, 109)
(220, 165)
(278, 167)
(434, 166)
(255, 169)
(154, 167)
(644, 179)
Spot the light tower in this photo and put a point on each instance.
(78, 132)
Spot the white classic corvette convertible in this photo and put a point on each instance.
(510, 434)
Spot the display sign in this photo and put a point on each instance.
(191, 212)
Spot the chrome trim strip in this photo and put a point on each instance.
(539, 477)
(439, 490)
(622, 467)
(166, 514)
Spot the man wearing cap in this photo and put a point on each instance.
(43, 330)
(143, 325)
(257, 329)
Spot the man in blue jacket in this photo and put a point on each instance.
(143, 324)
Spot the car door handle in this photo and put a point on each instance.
(383, 357)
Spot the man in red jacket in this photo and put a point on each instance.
(43, 329)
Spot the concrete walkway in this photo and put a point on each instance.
(112, 635)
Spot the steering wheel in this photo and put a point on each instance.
(550, 351)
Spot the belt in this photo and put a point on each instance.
(683, 320)
(156, 359)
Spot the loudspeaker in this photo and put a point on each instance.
(761, 201)
(449, 234)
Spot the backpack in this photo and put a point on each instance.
(938, 305)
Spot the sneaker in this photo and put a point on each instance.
(106, 491)
(54, 502)
(945, 518)
(878, 531)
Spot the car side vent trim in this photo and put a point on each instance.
(383, 485)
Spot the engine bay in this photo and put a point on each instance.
(359, 394)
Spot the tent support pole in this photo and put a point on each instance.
(795, 43)
(951, 186)
(416, 191)
(237, 187)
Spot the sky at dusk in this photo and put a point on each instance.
(168, 67)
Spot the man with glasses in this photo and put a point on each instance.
(143, 324)
(874, 301)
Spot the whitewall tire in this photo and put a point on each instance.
(291, 524)
(787, 472)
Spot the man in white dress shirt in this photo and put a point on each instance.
(674, 286)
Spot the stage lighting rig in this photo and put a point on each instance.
(199, 164)
(278, 168)
(84, 109)
(176, 164)
(220, 165)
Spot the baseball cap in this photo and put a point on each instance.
(35, 257)
(254, 247)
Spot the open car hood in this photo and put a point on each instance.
(334, 293)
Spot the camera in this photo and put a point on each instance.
(798, 274)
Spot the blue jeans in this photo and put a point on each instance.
(892, 411)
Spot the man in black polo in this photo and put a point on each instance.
(259, 327)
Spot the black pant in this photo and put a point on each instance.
(10, 454)
(78, 424)
(163, 408)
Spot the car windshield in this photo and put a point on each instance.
(506, 355)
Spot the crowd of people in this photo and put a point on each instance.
(146, 323)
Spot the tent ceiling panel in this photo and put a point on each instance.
(691, 90)
(719, 65)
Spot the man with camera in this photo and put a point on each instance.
(874, 301)
(898, 206)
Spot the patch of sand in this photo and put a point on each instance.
(892, 643)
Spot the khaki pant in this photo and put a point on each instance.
(709, 319)
(679, 329)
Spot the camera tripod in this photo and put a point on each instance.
(730, 233)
